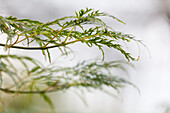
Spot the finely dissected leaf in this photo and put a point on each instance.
(35, 69)
(49, 55)
(48, 100)
(11, 74)
(6, 67)
(0, 79)
(99, 34)
(94, 74)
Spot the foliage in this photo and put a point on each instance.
(85, 27)
(20, 30)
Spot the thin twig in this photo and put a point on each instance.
(69, 34)
(14, 42)
(49, 47)
(29, 92)
(26, 38)
(54, 36)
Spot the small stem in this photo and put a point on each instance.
(26, 38)
(31, 92)
(69, 34)
(77, 40)
(50, 88)
(22, 92)
(14, 42)
(54, 36)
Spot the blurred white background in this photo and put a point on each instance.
(147, 20)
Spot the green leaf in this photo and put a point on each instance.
(48, 100)
(35, 69)
(1, 79)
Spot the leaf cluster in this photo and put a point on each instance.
(40, 79)
(86, 27)
(62, 32)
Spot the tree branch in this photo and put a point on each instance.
(28, 92)
(34, 48)
(49, 47)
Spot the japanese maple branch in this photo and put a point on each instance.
(49, 47)
(31, 92)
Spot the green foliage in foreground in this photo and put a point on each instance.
(85, 27)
